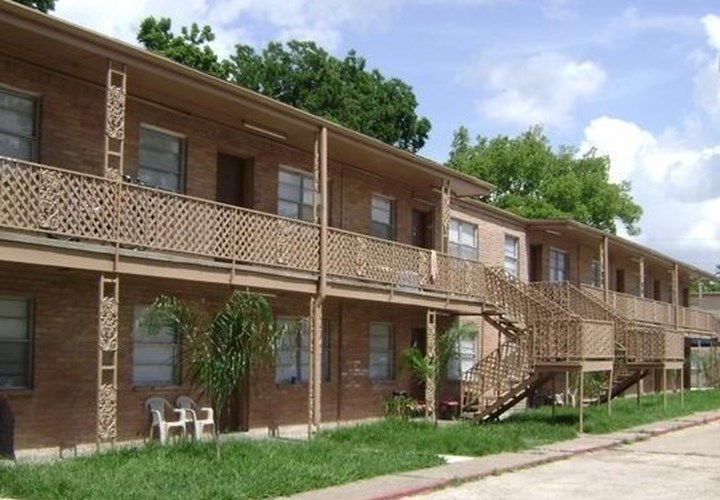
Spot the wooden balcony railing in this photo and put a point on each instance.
(71, 205)
(653, 311)
(574, 340)
(651, 345)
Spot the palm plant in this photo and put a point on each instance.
(218, 350)
(428, 369)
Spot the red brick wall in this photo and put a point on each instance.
(60, 407)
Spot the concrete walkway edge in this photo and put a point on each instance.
(403, 484)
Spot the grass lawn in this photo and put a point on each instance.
(271, 468)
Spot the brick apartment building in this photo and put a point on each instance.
(124, 176)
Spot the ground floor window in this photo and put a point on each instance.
(292, 361)
(156, 358)
(381, 365)
(464, 358)
(15, 343)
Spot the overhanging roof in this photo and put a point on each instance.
(48, 41)
(569, 225)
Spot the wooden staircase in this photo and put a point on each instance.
(505, 376)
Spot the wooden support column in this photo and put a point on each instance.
(676, 293)
(664, 388)
(445, 198)
(553, 395)
(317, 302)
(682, 388)
(609, 392)
(641, 277)
(431, 348)
(605, 266)
(581, 404)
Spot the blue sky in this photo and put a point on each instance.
(639, 81)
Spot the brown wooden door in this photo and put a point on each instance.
(536, 270)
(620, 280)
(234, 180)
(421, 229)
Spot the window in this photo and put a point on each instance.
(18, 125)
(558, 265)
(296, 194)
(15, 342)
(462, 240)
(464, 358)
(381, 352)
(512, 249)
(382, 217)
(292, 362)
(161, 159)
(156, 358)
(596, 274)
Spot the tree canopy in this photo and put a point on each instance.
(304, 75)
(41, 5)
(535, 181)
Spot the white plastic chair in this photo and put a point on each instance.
(157, 407)
(192, 409)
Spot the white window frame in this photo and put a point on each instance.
(511, 260)
(303, 210)
(456, 246)
(34, 138)
(181, 157)
(165, 340)
(292, 358)
(383, 371)
(28, 340)
(464, 358)
(381, 228)
(559, 273)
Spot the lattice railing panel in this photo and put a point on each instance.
(276, 241)
(558, 340)
(34, 197)
(674, 345)
(460, 276)
(598, 340)
(646, 344)
(497, 372)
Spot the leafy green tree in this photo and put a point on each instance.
(191, 47)
(41, 5)
(306, 76)
(219, 350)
(535, 181)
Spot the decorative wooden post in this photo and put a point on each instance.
(641, 277)
(605, 266)
(431, 332)
(108, 318)
(109, 287)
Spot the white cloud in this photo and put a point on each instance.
(542, 88)
(711, 23)
(247, 21)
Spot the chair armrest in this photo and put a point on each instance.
(157, 418)
(208, 413)
(182, 414)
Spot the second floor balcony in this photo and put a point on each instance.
(113, 216)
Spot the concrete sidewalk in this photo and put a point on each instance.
(409, 483)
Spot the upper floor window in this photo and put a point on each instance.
(462, 240)
(512, 255)
(292, 361)
(558, 265)
(463, 359)
(381, 366)
(156, 358)
(15, 342)
(161, 159)
(18, 125)
(296, 194)
(382, 217)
